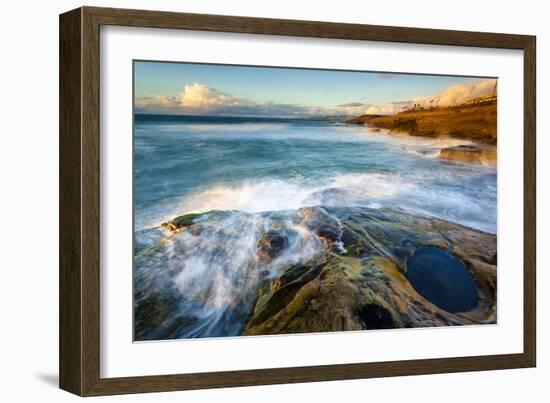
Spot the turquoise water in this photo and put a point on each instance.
(195, 164)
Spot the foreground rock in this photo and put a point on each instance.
(361, 281)
(357, 278)
(476, 122)
(475, 153)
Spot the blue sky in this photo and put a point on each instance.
(185, 88)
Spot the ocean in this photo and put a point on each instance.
(185, 164)
(252, 175)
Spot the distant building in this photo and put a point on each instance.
(481, 100)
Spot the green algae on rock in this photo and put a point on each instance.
(362, 283)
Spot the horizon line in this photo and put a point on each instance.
(243, 116)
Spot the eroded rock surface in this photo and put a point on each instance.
(475, 153)
(309, 270)
(361, 282)
(477, 122)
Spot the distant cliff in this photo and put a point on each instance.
(476, 122)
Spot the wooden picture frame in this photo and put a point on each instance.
(79, 346)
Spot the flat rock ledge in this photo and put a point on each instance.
(473, 153)
(361, 281)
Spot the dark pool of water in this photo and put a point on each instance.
(442, 279)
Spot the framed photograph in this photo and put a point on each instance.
(249, 201)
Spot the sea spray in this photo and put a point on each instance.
(423, 193)
(198, 164)
(204, 280)
(211, 273)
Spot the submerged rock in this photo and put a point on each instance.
(477, 153)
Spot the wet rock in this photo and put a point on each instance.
(375, 316)
(189, 221)
(153, 315)
(281, 293)
(474, 153)
(329, 232)
(358, 280)
(271, 244)
(179, 223)
(366, 287)
(185, 220)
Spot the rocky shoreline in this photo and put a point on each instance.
(473, 153)
(476, 123)
(362, 281)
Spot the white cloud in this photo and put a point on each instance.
(199, 96)
(356, 108)
(460, 93)
(200, 99)
(154, 102)
(454, 95)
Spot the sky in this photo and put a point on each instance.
(226, 90)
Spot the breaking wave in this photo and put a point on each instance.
(253, 179)
(415, 193)
(215, 271)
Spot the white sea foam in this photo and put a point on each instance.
(423, 146)
(278, 195)
(270, 195)
(375, 190)
(403, 180)
(198, 128)
(217, 270)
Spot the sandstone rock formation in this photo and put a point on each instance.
(477, 122)
(474, 153)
